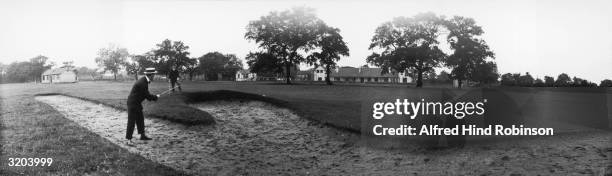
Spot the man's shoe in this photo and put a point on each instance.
(143, 137)
(129, 142)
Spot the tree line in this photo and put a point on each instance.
(166, 56)
(563, 80)
(404, 44)
(297, 36)
(25, 71)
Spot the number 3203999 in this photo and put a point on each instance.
(30, 161)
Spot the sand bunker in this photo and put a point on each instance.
(259, 139)
(249, 136)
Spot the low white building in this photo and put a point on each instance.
(59, 75)
(245, 75)
(360, 75)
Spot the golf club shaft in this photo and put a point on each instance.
(164, 92)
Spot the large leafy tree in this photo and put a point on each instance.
(469, 52)
(37, 66)
(112, 59)
(216, 63)
(169, 54)
(265, 64)
(408, 43)
(549, 81)
(192, 67)
(285, 36)
(526, 80)
(18, 72)
(508, 80)
(25, 71)
(138, 63)
(332, 47)
(563, 80)
(181, 56)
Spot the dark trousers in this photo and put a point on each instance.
(135, 117)
(173, 82)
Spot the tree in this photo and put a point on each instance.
(605, 83)
(163, 55)
(469, 53)
(508, 79)
(408, 43)
(18, 72)
(443, 77)
(525, 80)
(87, 71)
(138, 63)
(549, 81)
(538, 83)
(265, 64)
(285, 35)
(68, 65)
(36, 67)
(132, 67)
(577, 82)
(580, 82)
(169, 54)
(216, 63)
(485, 73)
(431, 77)
(181, 56)
(232, 66)
(563, 80)
(192, 67)
(112, 59)
(331, 48)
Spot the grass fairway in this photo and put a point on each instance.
(33, 129)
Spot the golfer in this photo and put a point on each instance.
(174, 77)
(140, 92)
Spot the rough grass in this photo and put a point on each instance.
(173, 108)
(33, 129)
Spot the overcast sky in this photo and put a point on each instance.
(544, 37)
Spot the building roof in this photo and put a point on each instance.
(56, 71)
(360, 72)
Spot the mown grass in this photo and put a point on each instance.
(347, 106)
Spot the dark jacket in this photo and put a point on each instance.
(140, 92)
(173, 75)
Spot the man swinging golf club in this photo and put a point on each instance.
(140, 92)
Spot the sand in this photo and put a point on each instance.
(253, 137)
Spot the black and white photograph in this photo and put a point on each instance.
(305, 87)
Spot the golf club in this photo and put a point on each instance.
(165, 92)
